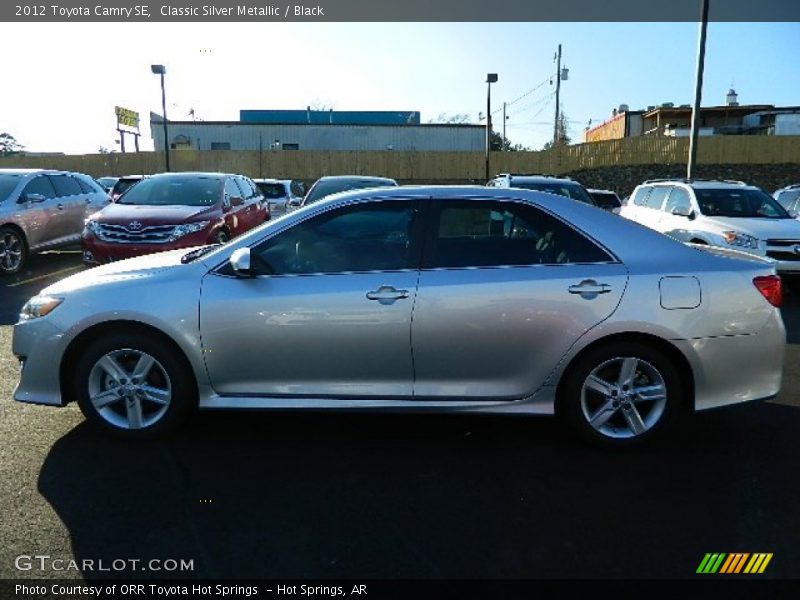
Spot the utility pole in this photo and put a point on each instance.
(490, 79)
(504, 125)
(558, 92)
(698, 89)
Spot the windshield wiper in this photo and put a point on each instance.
(195, 254)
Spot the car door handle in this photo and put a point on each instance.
(387, 294)
(589, 287)
(60, 206)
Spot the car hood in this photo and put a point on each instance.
(763, 229)
(130, 270)
(123, 214)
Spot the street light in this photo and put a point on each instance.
(162, 70)
(490, 79)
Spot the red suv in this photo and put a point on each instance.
(170, 211)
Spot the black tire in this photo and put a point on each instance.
(13, 251)
(577, 409)
(792, 283)
(169, 372)
(221, 237)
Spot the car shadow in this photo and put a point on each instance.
(309, 495)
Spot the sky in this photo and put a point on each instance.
(60, 96)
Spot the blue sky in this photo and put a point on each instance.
(217, 69)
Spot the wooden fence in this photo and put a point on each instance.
(431, 166)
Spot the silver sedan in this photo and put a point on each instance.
(415, 299)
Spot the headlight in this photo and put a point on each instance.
(39, 306)
(90, 226)
(182, 230)
(734, 238)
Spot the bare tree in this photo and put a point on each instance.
(9, 145)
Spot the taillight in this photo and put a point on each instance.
(771, 288)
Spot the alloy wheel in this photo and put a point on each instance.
(623, 397)
(10, 251)
(129, 389)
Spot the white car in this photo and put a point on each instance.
(729, 214)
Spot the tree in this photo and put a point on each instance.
(9, 145)
(104, 150)
(456, 119)
(497, 143)
(562, 135)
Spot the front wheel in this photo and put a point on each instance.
(132, 386)
(621, 394)
(221, 237)
(13, 251)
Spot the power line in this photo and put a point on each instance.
(533, 104)
(526, 94)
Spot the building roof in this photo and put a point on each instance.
(326, 117)
(251, 124)
(678, 110)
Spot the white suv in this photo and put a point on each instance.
(729, 214)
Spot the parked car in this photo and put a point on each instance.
(426, 299)
(333, 184)
(561, 186)
(606, 199)
(789, 198)
(107, 182)
(123, 184)
(173, 210)
(41, 210)
(729, 214)
(280, 194)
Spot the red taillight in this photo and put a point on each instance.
(771, 288)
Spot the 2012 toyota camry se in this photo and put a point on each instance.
(427, 298)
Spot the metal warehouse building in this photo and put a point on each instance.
(320, 130)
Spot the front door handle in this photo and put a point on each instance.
(589, 288)
(60, 206)
(386, 294)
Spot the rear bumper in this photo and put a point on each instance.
(738, 368)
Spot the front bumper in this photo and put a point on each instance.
(98, 252)
(39, 346)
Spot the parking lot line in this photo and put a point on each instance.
(45, 276)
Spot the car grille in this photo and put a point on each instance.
(783, 249)
(154, 234)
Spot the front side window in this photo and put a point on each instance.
(640, 196)
(8, 182)
(491, 233)
(40, 185)
(174, 190)
(657, 197)
(377, 236)
(787, 199)
(742, 203)
(247, 190)
(232, 190)
(678, 199)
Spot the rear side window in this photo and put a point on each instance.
(657, 197)
(88, 186)
(786, 199)
(65, 185)
(40, 185)
(491, 233)
(640, 196)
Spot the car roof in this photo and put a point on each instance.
(196, 174)
(541, 179)
(30, 171)
(270, 180)
(360, 177)
(701, 183)
(593, 191)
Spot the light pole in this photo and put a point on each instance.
(490, 79)
(162, 70)
(698, 89)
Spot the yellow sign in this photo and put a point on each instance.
(127, 117)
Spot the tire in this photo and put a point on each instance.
(13, 251)
(792, 283)
(221, 237)
(131, 406)
(598, 402)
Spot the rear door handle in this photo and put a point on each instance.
(60, 206)
(589, 287)
(386, 294)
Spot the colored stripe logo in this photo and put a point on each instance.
(734, 563)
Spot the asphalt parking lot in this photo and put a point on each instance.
(292, 495)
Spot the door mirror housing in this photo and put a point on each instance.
(683, 211)
(236, 201)
(240, 262)
(32, 198)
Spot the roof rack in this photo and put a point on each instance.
(533, 175)
(685, 180)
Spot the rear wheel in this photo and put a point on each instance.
(132, 386)
(221, 237)
(621, 394)
(13, 251)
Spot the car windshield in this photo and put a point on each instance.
(174, 190)
(606, 199)
(272, 191)
(8, 181)
(322, 189)
(741, 203)
(123, 185)
(570, 190)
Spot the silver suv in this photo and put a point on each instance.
(561, 186)
(42, 209)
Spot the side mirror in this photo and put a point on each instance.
(236, 201)
(683, 211)
(32, 198)
(240, 262)
(295, 202)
